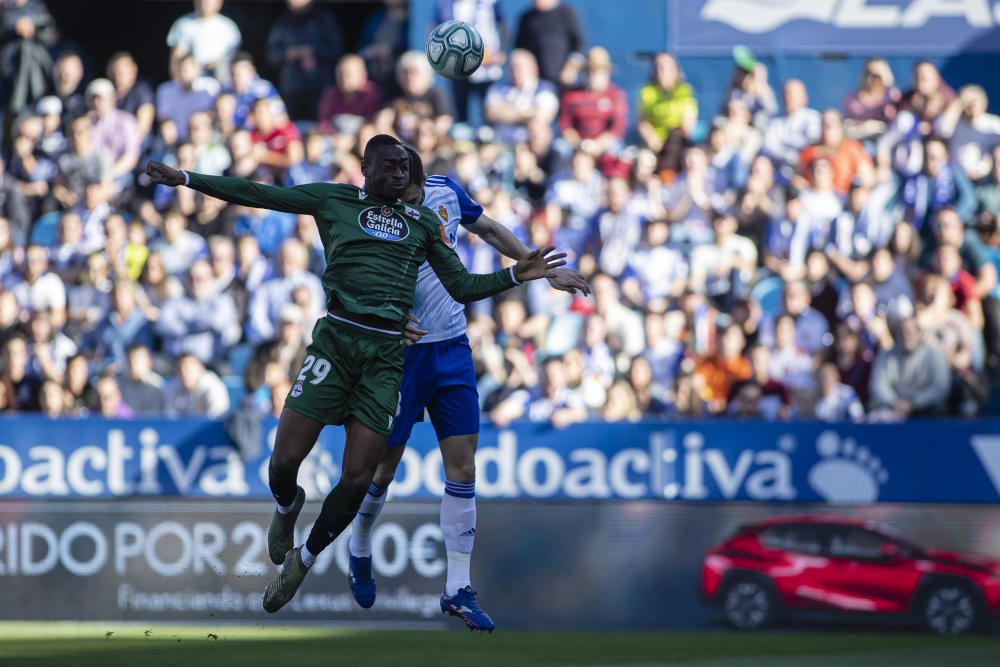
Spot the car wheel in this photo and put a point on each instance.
(749, 604)
(950, 609)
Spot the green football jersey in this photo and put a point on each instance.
(373, 249)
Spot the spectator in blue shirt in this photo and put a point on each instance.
(203, 322)
(125, 325)
(247, 88)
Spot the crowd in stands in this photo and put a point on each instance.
(763, 260)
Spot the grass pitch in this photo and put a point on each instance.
(130, 645)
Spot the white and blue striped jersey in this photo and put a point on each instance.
(440, 315)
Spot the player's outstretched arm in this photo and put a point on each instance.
(303, 199)
(538, 264)
(465, 287)
(503, 241)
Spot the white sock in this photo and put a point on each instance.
(364, 522)
(307, 557)
(458, 525)
(285, 509)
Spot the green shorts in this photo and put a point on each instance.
(350, 372)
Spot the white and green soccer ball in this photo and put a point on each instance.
(455, 49)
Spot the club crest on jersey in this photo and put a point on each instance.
(448, 241)
(413, 213)
(297, 390)
(383, 222)
(442, 212)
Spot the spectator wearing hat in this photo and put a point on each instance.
(304, 44)
(525, 98)
(116, 132)
(208, 36)
(133, 94)
(352, 94)
(594, 118)
(186, 93)
(750, 86)
(52, 142)
(666, 103)
(552, 32)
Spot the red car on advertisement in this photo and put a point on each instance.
(832, 563)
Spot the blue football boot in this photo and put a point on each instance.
(361, 580)
(464, 605)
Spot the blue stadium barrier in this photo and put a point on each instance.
(916, 462)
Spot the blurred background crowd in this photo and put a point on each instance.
(765, 259)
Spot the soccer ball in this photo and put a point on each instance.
(455, 49)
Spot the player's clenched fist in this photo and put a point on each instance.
(537, 263)
(163, 175)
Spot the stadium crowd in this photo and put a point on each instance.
(766, 259)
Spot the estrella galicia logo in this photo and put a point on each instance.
(384, 223)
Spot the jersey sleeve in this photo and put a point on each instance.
(463, 286)
(471, 210)
(304, 199)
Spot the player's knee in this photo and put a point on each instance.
(355, 483)
(284, 461)
(384, 475)
(462, 470)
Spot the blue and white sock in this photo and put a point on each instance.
(364, 522)
(458, 525)
(307, 557)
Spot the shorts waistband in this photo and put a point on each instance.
(345, 320)
(335, 310)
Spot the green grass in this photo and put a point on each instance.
(85, 645)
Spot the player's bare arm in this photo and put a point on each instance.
(503, 241)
